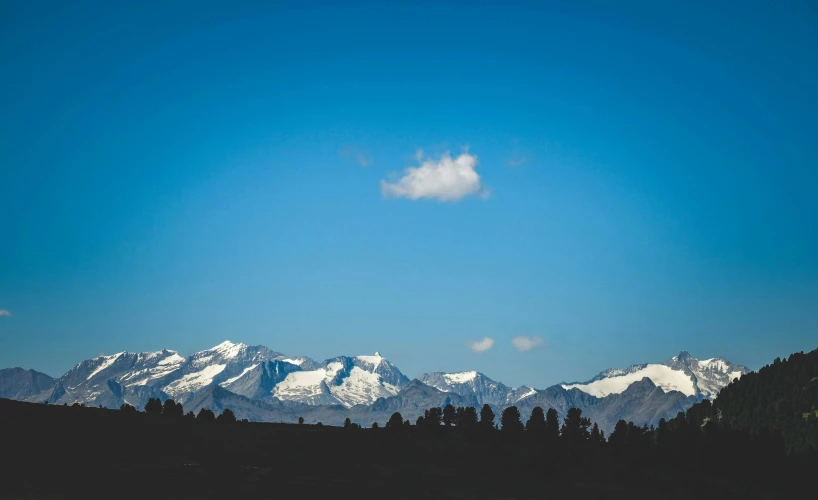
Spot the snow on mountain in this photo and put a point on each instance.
(343, 380)
(127, 368)
(216, 365)
(250, 371)
(475, 384)
(271, 385)
(152, 366)
(682, 373)
(522, 393)
(709, 375)
(663, 376)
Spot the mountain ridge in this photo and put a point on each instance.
(266, 384)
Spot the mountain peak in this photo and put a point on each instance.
(683, 356)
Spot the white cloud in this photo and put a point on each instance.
(525, 343)
(448, 179)
(482, 345)
(4, 312)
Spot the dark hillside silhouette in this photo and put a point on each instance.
(757, 442)
(780, 397)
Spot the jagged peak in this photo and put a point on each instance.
(683, 356)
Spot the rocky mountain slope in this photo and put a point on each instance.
(260, 384)
(17, 383)
(475, 384)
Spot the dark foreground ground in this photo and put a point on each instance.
(65, 452)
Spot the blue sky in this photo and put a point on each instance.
(615, 182)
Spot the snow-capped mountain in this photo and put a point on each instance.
(343, 380)
(264, 385)
(682, 373)
(256, 372)
(226, 362)
(121, 377)
(475, 384)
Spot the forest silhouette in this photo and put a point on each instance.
(758, 439)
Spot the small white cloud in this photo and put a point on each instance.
(482, 345)
(525, 343)
(4, 312)
(448, 179)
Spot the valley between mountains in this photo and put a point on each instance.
(263, 385)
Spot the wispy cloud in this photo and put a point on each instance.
(363, 160)
(482, 345)
(525, 343)
(516, 161)
(519, 155)
(360, 156)
(448, 179)
(4, 312)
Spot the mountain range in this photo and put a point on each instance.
(260, 384)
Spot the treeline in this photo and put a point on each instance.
(774, 410)
(781, 397)
(172, 409)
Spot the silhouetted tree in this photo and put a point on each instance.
(448, 415)
(171, 409)
(511, 421)
(227, 417)
(433, 417)
(552, 425)
(469, 418)
(536, 423)
(300, 420)
(619, 437)
(575, 427)
(375, 425)
(206, 415)
(190, 416)
(395, 422)
(663, 438)
(420, 421)
(153, 406)
(486, 417)
(347, 423)
(596, 437)
(127, 408)
(459, 414)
